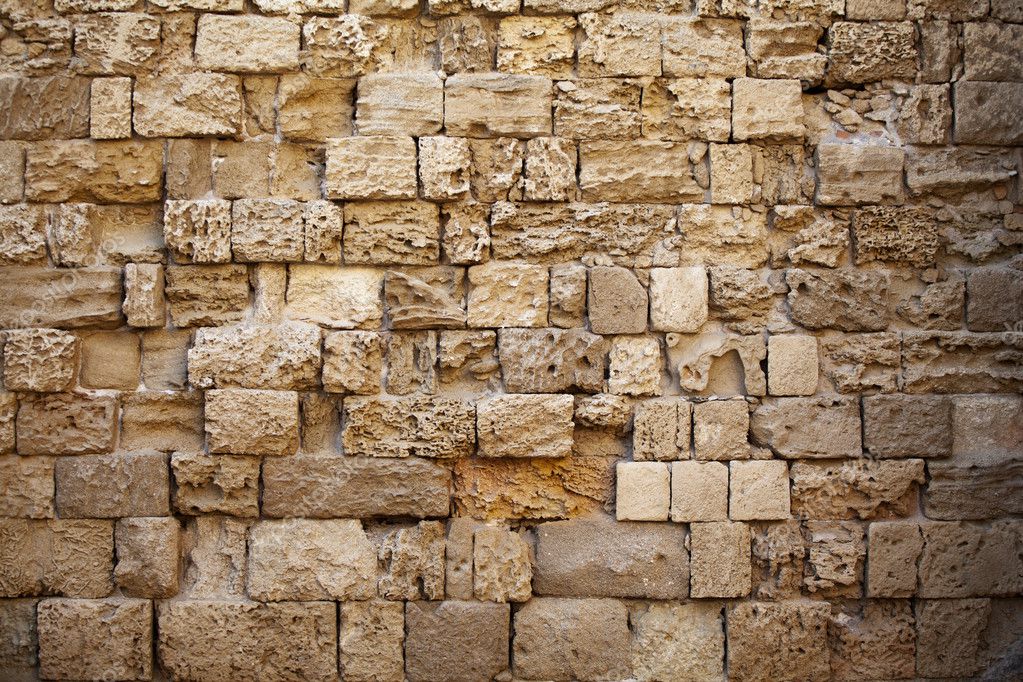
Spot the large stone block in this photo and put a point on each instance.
(501, 565)
(352, 362)
(687, 109)
(95, 639)
(424, 426)
(907, 426)
(597, 109)
(116, 43)
(72, 558)
(967, 560)
(852, 175)
(371, 641)
(371, 167)
(392, 233)
(525, 426)
(722, 561)
(856, 489)
(148, 555)
(542, 46)
(460, 641)
(603, 558)
(871, 52)
(492, 105)
(282, 357)
(214, 640)
(39, 360)
(703, 47)
(207, 295)
(616, 301)
(769, 110)
(113, 486)
(41, 108)
(23, 230)
(949, 633)
(310, 560)
(508, 295)
(948, 362)
(572, 639)
(400, 104)
(80, 297)
(267, 230)
(66, 424)
(188, 105)
(896, 234)
(774, 641)
(252, 422)
(678, 641)
(341, 298)
(797, 428)
(26, 487)
(655, 171)
(270, 44)
(103, 172)
(845, 299)
(328, 486)
(985, 113)
(412, 561)
(551, 360)
(643, 491)
(894, 549)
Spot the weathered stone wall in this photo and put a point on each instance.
(459, 340)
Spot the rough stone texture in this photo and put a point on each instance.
(644, 491)
(456, 640)
(721, 564)
(551, 360)
(507, 295)
(72, 558)
(93, 639)
(907, 426)
(147, 556)
(40, 360)
(66, 424)
(205, 484)
(333, 297)
(187, 105)
(525, 426)
(112, 486)
(784, 640)
(270, 44)
(280, 357)
(759, 490)
(856, 489)
(371, 167)
(423, 426)
(491, 105)
(252, 422)
(852, 175)
(370, 638)
(679, 641)
(501, 566)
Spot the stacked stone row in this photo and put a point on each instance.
(519, 340)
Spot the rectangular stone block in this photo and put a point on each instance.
(392, 233)
(128, 172)
(23, 230)
(552, 360)
(985, 113)
(144, 304)
(213, 640)
(871, 52)
(492, 105)
(949, 362)
(110, 108)
(525, 426)
(687, 109)
(662, 430)
(620, 44)
(112, 486)
(400, 104)
(371, 167)
(856, 489)
(188, 105)
(215, 484)
(26, 487)
(699, 491)
(537, 45)
(721, 430)
(362, 487)
(371, 641)
(39, 360)
(968, 560)
(148, 554)
(907, 426)
(722, 562)
(779, 640)
(597, 109)
(423, 426)
(271, 44)
(655, 172)
(93, 639)
(796, 428)
(508, 295)
(769, 110)
(110, 360)
(66, 424)
(894, 549)
(459, 641)
(269, 230)
(252, 422)
(703, 47)
(116, 43)
(281, 357)
(643, 491)
(758, 490)
(57, 557)
(41, 108)
(341, 298)
(852, 175)
(205, 295)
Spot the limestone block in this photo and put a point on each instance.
(597, 108)
(871, 52)
(568, 296)
(721, 561)
(698, 48)
(620, 44)
(492, 105)
(779, 640)
(993, 299)
(209, 640)
(525, 426)
(198, 231)
(66, 424)
(758, 490)
(460, 641)
(856, 489)
(215, 484)
(329, 486)
(948, 636)
(893, 550)
(159, 420)
(720, 429)
(468, 359)
(699, 491)
(678, 299)
(635, 366)
(143, 295)
(688, 109)
(808, 427)
(895, 234)
(110, 108)
(370, 641)
(947, 362)
(767, 110)
(466, 42)
(617, 302)
(39, 360)
(352, 362)
(992, 51)
(508, 295)
(206, 295)
(984, 113)
(188, 105)
(551, 360)
(784, 49)
(578, 639)
(550, 169)
(412, 559)
(23, 234)
(147, 556)
(340, 298)
(501, 565)
(965, 560)
(445, 165)
(926, 115)
(844, 299)
(282, 357)
(110, 360)
(679, 641)
(109, 171)
(876, 640)
(267, 230)
(386, 233)
(400, 104)
(497, 168)
(792, 364)
(425, 426)
(116, 43)
(662, 429)
(543, 46)
(271, 44)
(657, 171)
(310, 560)
(723, 235)
(72, 558)
(731, 174)
(165, 359)
(92, 639)
(371, 167)
(533, 487)
(466, 235)
(112, 486)
(314, 109)
(907, 426)
(251, 422)
(643, 491)
(851, 175)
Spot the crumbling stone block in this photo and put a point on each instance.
(492, 105)
(39, 360)
(662, 429)
(371, 167)
(767, 109)
(501, 565)
(456, 640)
(424, 426)
(778, 640)
(147, 556)
(252, 422)
(417, 111)
(90, 639)
(370, 641)
(722, 563)
(525, 426)
(617, 302)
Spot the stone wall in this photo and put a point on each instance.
(467, 340)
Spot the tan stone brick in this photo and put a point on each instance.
(635, 366)
(252, 422)
(597, 108)
(371, 167)
(104, 172)
(110, 108)
(270, 44)
(26, 487)
(204, 295)
(537, 45)
(720, 429)
(112, 486)
(907, 426)
(723, 235)
(894, 549)
(984, 113)
(198, 231)
(862, 305)
(371, 641)
(797, 428)
(855, 489)
(92, 639)
(699, 491)
(779, 640)
(525, 426)
(424, 426)
(703, 47)
(64, 557)
(392, 233)
(721, 561)
(164, 359)
(620, 44)
(352, 362)
(679, 641)
(678, 299)
(617, 302)
(784, 49)
(283, 357)
(143, 295)
(948, 636)
(267, 230)
(568, 296)
(110, 360)
(85, 297)
(758, 490)
(466, 234)
(508, 295)
(731, 174)
(23, 234)
(492, 105)
(210, 484)
(66, 424)
(580, 639)
(116, 43)
(147, 556)
(657, 171)
(501, 565)
(412, 561)
(662, 429)
(314, 109)
(400, 104)
(767, 110)
(187, 105)
(341, 298)
(851, 175)
(445, 165)
(158, 420)
(870, 52)
(967, 560)
(459, 641)
(687, 109)
(643, 491)
(8, 413)
(39, 360)
(550, 169)
(792, 364)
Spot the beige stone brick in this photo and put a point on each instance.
(620, 44)
(83, 170)
(635, 366)
(893, 550)
(148, 553)
(66, 424)
(44, 107)
(445, 165)
(314, 109)
(758, 490)
(779, 640)
(116, 43)
(412, 561)
(110, 108)
(597, 108)
(797, 428)
(456, 640)
(341, 298)
(270, 44)
(112, 486)
(785, 49)
(792, 364)
(525, 426)
(92, 639)
(352, 362)
(907, 426)
(508, 295)
(252, 422)
(206, 295)
(984, 113)
(574, 360)
(371, 167)
(110, 360)
(851, 175)
(400, 104)
(73, 558)
(187, 105)
(537, 45)
(720, 429)
(731, 174)
(267, 230)
(492, 105)
(23, 234)
(662, 429)
(550, 169)
(721, 560)
(392, 233)
(215, 484)
(39, 360)
(703, 47)
(165, 358)
(853, 489)
(198, 231)
(723, 235)
(501, 565)
(617, 302)
(678, 299)
(643, 491)
(466, 235)
(371, 641)
(870, 52)
(419, 425)
(159, 420)
(699, 491)
(568, 296)
(688, 109)
(285, 356)
(26, 487)
(767, 110)
(679, 641)
(657, 171)
(144, 304)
